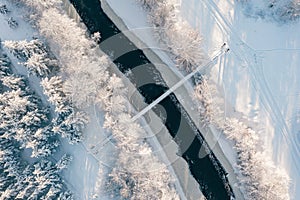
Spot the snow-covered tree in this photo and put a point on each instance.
(20, 128)
(53, 22)
(4, 65)
(290, 10)
(42, 4)
(84, 65)
(43, 143)
(68, 122)
(34, 55)
(129, 179)
(96, 37)
(37, 64)
(42, 180)
(70, 126)
(53, 88)
(209, 108)
(85, 79)
(180, 39)
(23, 49)
(258, 175)
(22, 181)
(25, 124)
(112, 98)
(13, 82)
(64, 162)
(24, 119)
(150, 4)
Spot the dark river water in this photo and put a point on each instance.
(207, 171)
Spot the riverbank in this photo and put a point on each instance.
(141, 35)
(185, 185)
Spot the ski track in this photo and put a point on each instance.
(248, 54)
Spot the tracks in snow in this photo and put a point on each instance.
(246, 53)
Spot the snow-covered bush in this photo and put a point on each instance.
(3, 9)
(209, 110)
(96, 37)
(175, 34)
(12, 23)
(259, 177)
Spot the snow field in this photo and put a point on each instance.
(141, 33)
(67, 49)
(256, 76)
(243, 56)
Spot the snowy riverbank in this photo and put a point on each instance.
(162, 143)
(124, 14)
(85, 175)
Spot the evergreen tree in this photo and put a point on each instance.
(34, 55)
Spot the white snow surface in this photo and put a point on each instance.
(260, 76)
(85, 173)
(92, 159)
(135, 19)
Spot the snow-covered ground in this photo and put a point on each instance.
(83, 175)
(260, 76)
(94, 158)
(92, 162)
(140, 31)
